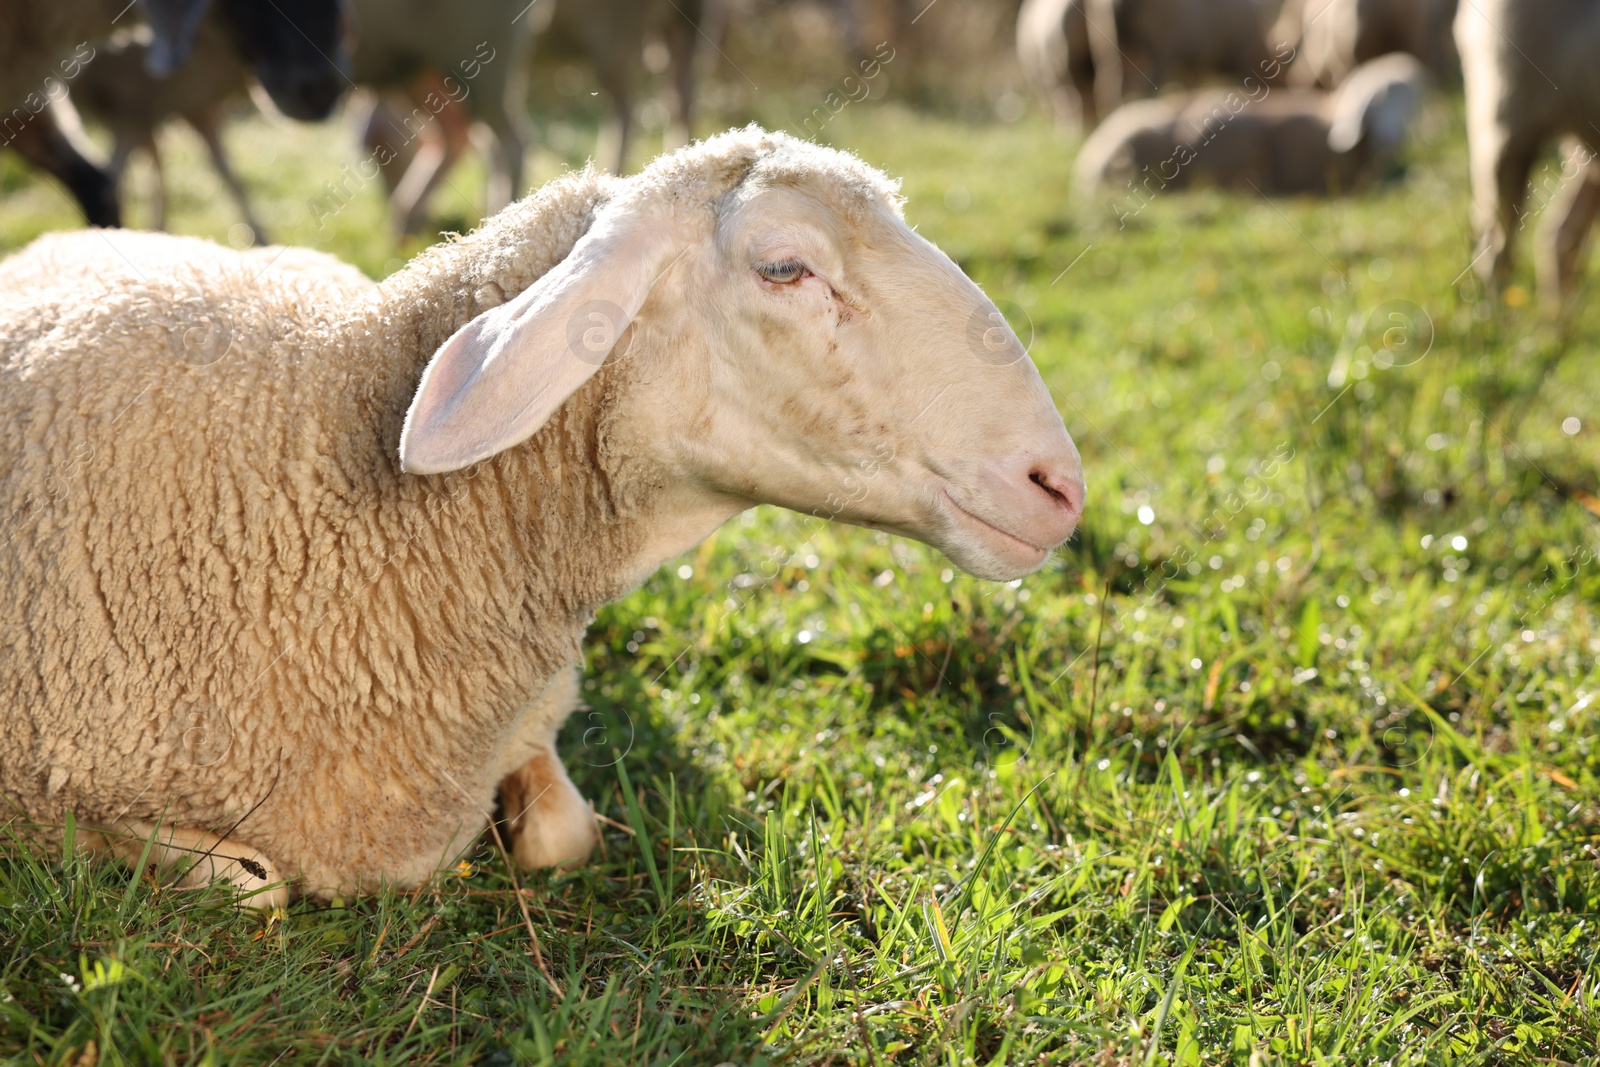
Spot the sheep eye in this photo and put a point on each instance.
(787, 272)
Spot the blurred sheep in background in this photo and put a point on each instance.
(464, 64)
(1053, 48)
(45, 131)
(117, 90)
(1336, 36)
(612, 36)
(446, 77)
(1278, 142)
(295, 47)
(1532, 76)
(43, 47)
(416, 134)
(1139, 46)
(418, 81)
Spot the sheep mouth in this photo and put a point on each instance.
(991, 531)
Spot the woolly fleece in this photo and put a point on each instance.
(226, 602)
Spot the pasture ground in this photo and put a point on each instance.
(1289, 758)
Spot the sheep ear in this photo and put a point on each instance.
(499, 377)
(173, 26)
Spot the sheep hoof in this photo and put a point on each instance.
(210, 858)
(551, 824)
(254, 876)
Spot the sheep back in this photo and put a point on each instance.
(222, 592)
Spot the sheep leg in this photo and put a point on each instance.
(683, 39)
(43, 143)
(624, 135)
(1072, 91)
(208, 125)
(618, 131)
(158, 186)
(409, 201)
(121, 151)
(431, 161)
(505, 172)
(382, 136)
(551, 824)
(1501, 161)
(1107, 58)
(1563, 238)
(1078, 104)
(445, 142)
(214, 859)
(512, 131)
(1068, 109)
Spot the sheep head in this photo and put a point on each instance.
(794, 343)
(297, 48)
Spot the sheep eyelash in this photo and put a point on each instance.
(779, 273)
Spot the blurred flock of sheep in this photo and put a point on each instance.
(1265, 96)
(1316, 97)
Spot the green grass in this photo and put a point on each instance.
(1288, 758)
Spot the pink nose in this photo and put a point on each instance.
(1059, 499)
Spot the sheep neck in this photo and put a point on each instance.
(502, 566)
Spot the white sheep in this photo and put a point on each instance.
(299, 567)
(117, 90)
(1273, 141)
(1529, 68)
(1053, 48)
(1139, 46)
(1336, 36)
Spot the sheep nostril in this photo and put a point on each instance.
(1059, 490)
